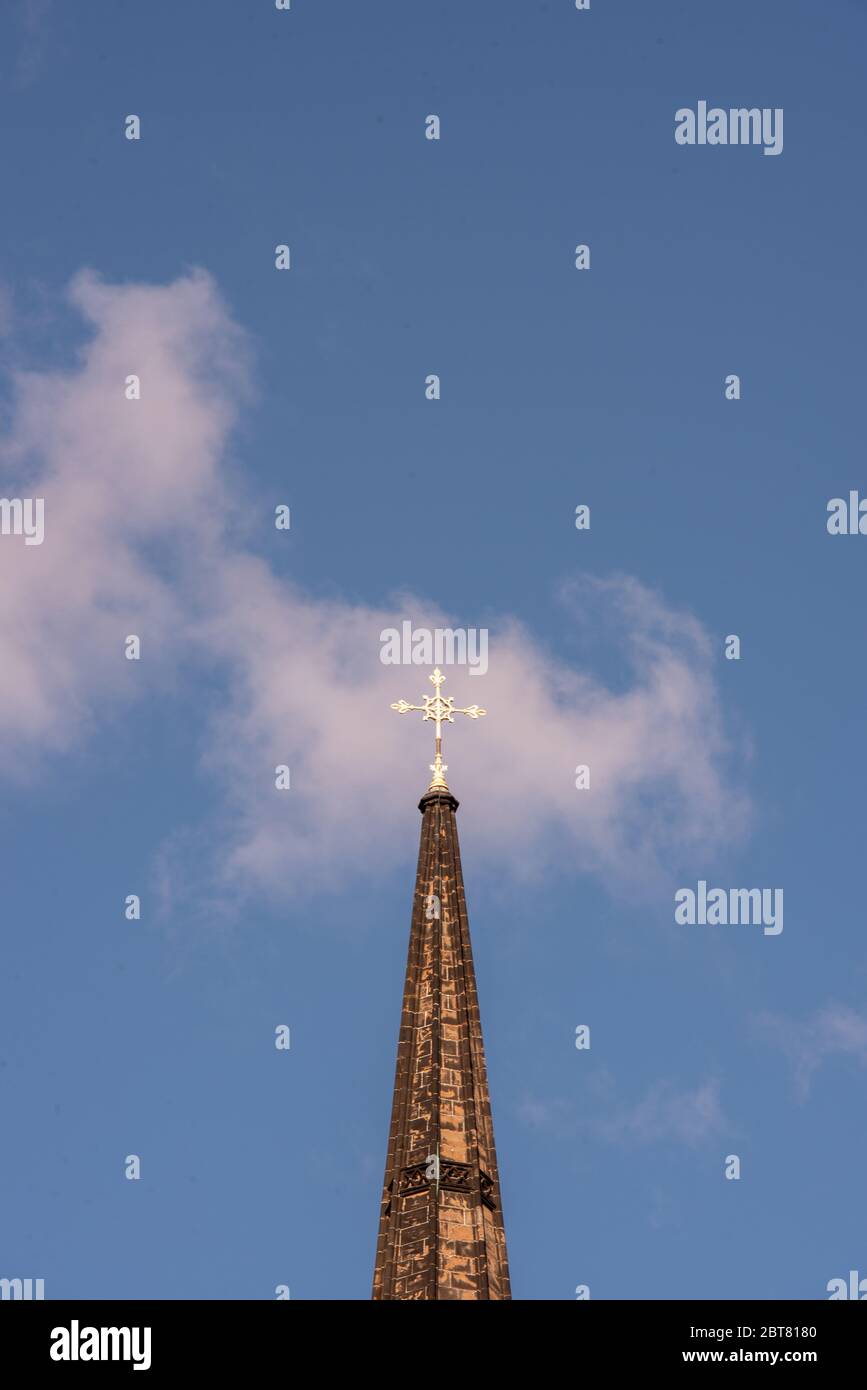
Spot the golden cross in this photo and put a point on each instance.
(442, 711)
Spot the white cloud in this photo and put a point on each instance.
(308, 690)
(129, 489)
(138, 540)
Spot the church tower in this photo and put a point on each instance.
(441, 1232)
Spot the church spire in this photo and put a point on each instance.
(441, 1231)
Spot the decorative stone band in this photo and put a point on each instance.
(457, 1177)
(487, 1186)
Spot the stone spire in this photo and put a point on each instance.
(441, 1231)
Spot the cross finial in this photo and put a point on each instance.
(441, 710)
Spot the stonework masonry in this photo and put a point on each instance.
(441, 1232)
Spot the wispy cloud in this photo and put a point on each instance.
(552, 1115)
(6, 310)
(34, 21)
(665, 1114)
(143, 536)
(833, 1031)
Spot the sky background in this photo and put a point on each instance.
(259, 387)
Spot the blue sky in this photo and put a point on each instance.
(559, 387)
